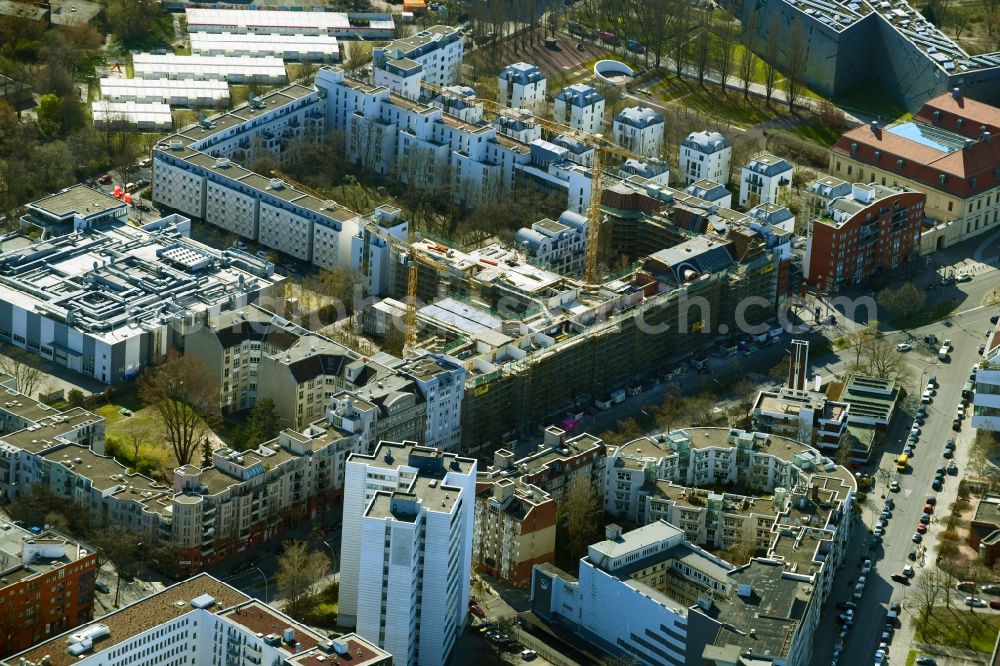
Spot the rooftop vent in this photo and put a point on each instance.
(222, 163)
(277, 184)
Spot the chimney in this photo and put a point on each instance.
(956, 93)
(968, 144)
(874, 126)
(987, 136)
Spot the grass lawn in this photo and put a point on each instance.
(724, 107)
(911, 658)
(929, 315)
(961, 628)
(817, 133)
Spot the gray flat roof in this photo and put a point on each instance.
(79, 199)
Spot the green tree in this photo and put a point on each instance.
(48, 112)
(262, 425)
(904, 302)
(130, 20)
(75, 398)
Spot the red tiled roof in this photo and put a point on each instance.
(925, 164)
(974, 114)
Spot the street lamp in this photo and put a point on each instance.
(261, 572)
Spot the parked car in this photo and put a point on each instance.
(904, 347)
(936, 485)
(908, 571)
(102, 587)
(992, 588)
(900, 578)
(931, 500)
(975, 602)
(995, 604)
(528, 655)
(917, 537)
(926, 661)
(966, 586)
(894, 486)
(477, 611)
(921, 529)
(105, 179)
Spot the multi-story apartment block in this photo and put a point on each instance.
(956, 169)
(639, 129)
(197, 172)
(302, 371)
(652, 595)
(763, 179)
(406, 549)
(705, 156)
(199, 621)
(580, 106)
(47, 586)
(873, 230)
(558, 246)
(436, 52)
(518, 500)
(515, 529)
(522, 86)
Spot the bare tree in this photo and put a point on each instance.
(771, 54)
(300, 570)
(748, 61)
(580, 508)
(19, 364)
(904, 302)
(679, 29)
(185, 394)
(725, 54)
(795, 64)
(702, 47)
(135, 437)
(929, 588)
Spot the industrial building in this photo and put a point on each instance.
(205, 620)
(267, 70)
(352, 25)
(654, 595)
(47, 586)
(872, 231)
(869, 44)
(145, 117)
(293, 48)
(408, 518)
(213, 94)
(946, 151)
(107, 301)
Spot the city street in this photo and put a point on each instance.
(967, 330)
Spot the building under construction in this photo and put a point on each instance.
(539, 347)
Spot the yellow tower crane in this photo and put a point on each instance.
(601, 146)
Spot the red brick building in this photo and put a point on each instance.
(872, 230)
(47, 586)
(517, 502)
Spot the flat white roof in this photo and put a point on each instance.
(241, 18)
(134, 112)
(153, 66)
(217, 90)
(264, 44)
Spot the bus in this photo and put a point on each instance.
(901, 463)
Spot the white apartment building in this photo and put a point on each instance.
(437, 51)
(712, 192)
(763, 179)
(198, 621)
(655, 596)
(986, 399)
(639, 129)
(406, 550)
(522, 86)
(705, 156)
(268, 70)
(580, 106)
(559, 246)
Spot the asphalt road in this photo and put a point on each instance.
(967, 331)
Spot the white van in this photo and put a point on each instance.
(943, 354)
